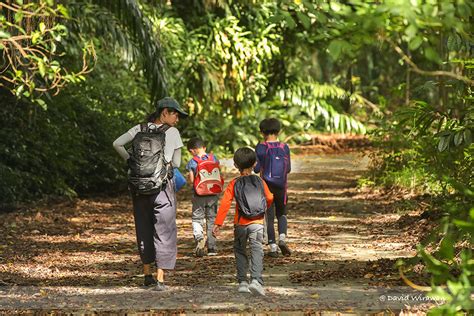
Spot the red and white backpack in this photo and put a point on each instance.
(208, 179)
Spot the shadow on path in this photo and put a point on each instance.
(82, 254)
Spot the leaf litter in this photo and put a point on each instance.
(341, 236)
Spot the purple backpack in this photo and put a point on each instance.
(275, 166)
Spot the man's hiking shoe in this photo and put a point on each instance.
(200, 251)
(243, 287)
(284, 248)
(211, 252)
(160, 286)
(256, 288)
(273, 254)
(149, 280)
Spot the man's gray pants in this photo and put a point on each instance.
(253, 235)
(203, 215)
(155, 225)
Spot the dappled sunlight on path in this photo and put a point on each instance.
(344, 244)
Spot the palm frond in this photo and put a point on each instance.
(141, 29)
(100, 22)
(312, 99)
(133, 31)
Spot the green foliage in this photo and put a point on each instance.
(224, 67)
(430, 143)
(31, 36)
(413, 160)
(67, 149)
(427, 145)
(453, 264)
(313, 100)
(318, 66)
(401, 162)
(131, 22)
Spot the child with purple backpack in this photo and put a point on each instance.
(274, 164)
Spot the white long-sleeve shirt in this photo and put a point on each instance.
(173, 144)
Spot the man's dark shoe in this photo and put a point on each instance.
(149, 280)
(211, 252)
(284, 248)
(160, 286)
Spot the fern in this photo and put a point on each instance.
(124, 22)
(312, 99)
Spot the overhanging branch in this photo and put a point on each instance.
(416, 69)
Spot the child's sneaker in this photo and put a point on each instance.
(273, 254)
(160, 286)
(284, 248)
(273, 251)
(256, 288)
(200, 248)
(243, 287)
(149, 280)
(211, 252)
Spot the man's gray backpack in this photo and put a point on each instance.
(149, 171)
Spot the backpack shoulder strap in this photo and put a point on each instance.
(236, 182)
(163, 128)
(267, 145)
(275, 145)
(144, 127)
(197, 159)
(259, 181)
(271, 146)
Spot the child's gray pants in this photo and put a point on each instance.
(204, 211)
(253, 235)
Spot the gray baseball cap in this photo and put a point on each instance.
(170, 103)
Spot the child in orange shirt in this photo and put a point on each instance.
(252, 200)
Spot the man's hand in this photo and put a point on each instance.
(216, 230)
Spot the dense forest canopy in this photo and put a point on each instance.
(320, 66)
(76, 74)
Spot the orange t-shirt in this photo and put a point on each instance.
(226, 202)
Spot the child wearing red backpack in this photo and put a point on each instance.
(204, 174)
(274, 164)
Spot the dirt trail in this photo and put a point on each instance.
(81, 255)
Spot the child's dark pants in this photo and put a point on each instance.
(278, 207)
